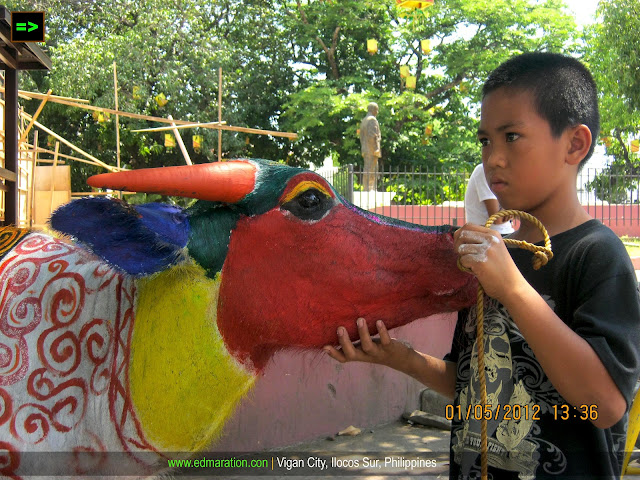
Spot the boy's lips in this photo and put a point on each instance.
(497, 184)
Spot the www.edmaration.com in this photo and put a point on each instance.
(310, 462)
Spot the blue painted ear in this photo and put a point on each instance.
(140, 239)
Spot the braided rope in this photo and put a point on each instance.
(541, 257)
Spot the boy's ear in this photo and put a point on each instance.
(579, 144)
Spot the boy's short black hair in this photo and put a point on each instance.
(563, 90)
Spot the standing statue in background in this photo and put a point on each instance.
(370, 145)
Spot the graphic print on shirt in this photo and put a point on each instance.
(516, 400)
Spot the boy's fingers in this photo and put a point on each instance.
(365, 339)
(385, 339)
(348, 350)
(334, 353)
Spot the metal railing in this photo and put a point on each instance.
(436, 197)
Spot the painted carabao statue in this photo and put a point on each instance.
(141, 334)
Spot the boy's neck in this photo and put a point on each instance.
(555, 220)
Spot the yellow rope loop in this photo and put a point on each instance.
(541, 256)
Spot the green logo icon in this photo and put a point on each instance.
(27, 26)
(22, 27)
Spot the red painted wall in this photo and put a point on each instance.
(622, 219)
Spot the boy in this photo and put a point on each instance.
(561, 343)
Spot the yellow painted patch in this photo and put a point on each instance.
(9, 238)
(303, 186)
(184, 383)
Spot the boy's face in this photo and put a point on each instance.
(524, 164)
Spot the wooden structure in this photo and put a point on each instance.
(13, 57)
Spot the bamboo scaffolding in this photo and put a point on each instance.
(25, 132)
(176, 133)
(62, 140)
(210, 125)
(70, 145)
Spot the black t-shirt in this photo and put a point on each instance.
(591, 285)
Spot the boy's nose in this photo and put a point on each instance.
(495, 157)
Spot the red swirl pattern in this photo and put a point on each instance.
(66, 320)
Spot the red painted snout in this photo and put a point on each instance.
(291, 283)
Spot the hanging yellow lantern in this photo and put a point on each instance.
(413, 4)
(161, 99)
(425, 45)
(372, 46)
(404, 71)
(51, 140)
(197, 143)
(169, 140)
(411, 82)
(607, 141)
(635, 146)
(428, 130)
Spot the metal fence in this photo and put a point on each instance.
(436, 197)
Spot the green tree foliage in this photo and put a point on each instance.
(290, 65)
(468, 40)
(168, 47)
(611, 51)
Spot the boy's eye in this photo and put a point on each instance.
(483, 141)
(512, 137)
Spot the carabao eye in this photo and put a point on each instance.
(312, 204)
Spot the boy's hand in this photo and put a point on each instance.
(483, 252)
(385, 351)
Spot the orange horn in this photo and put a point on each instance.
(226, 182)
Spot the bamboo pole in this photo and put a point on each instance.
(176, 133)
(60, 162)
(178, 127)
(92, 194)
(34, 162)
(115, 92)
(26, 131)
(216, 125)
(31, 95)
(53, 176)
(220, 113)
